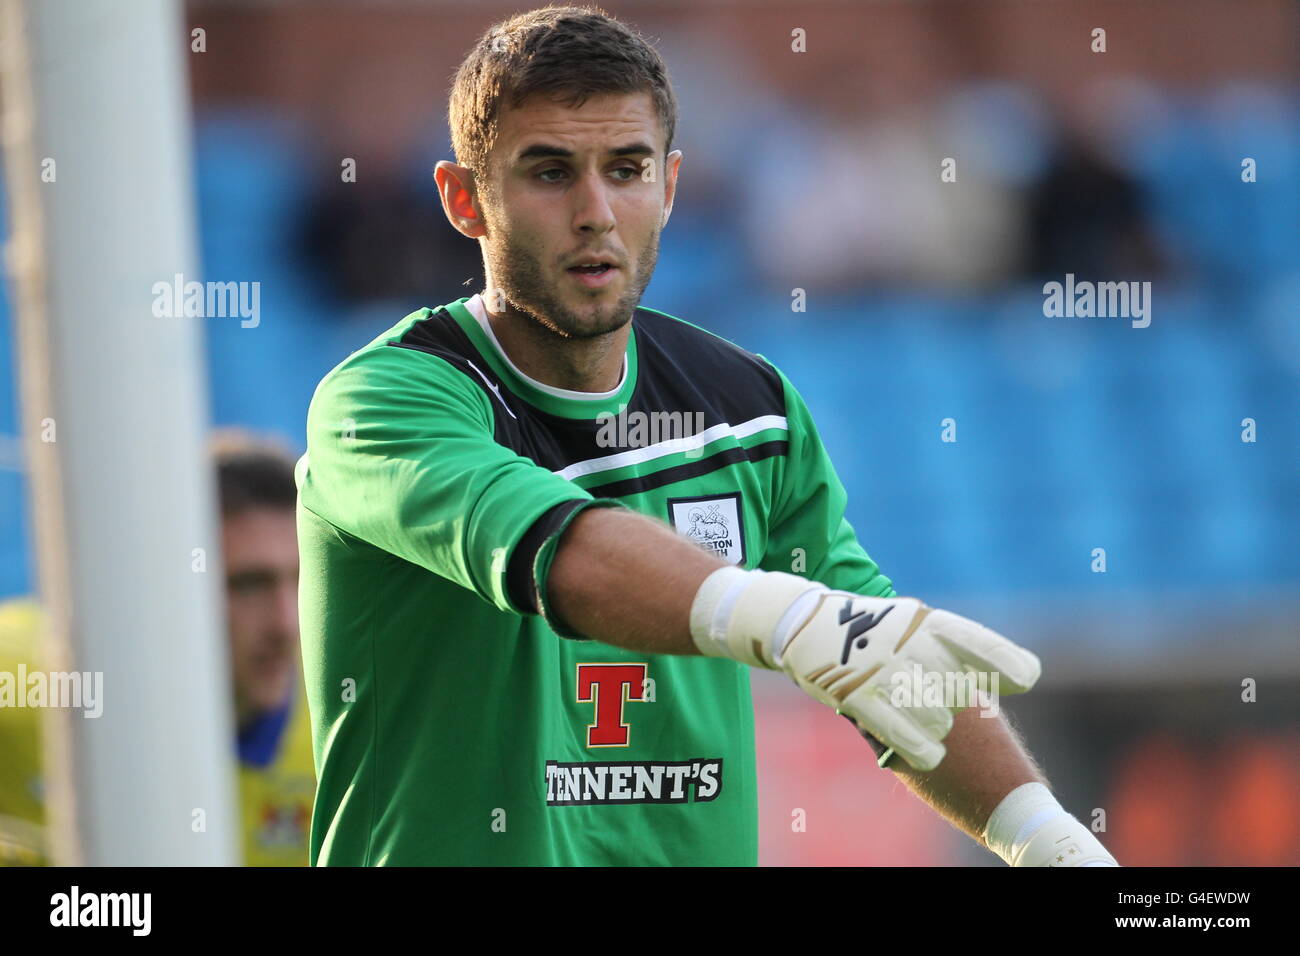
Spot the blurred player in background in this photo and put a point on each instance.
(276, 778)
(259, 546)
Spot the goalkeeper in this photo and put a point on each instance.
(530, 593)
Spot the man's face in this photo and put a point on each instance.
(567, 186)
(260, 547)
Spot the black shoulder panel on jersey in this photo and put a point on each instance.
(685, 368)
(680, 368)
(436, 330)
(438, 334)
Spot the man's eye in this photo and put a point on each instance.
(624, 174)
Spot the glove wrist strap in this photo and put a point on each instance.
(712, 607)
(737, 613)
(1030, 828)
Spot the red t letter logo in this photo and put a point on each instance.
(609, 685)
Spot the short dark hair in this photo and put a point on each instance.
(252, 472)
(568, 53)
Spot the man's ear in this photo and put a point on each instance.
(672, 163)
(457, 191)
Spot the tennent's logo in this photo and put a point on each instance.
(609, 687)
(584, 783)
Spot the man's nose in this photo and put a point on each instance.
(593, 212)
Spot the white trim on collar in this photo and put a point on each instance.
(479, 311)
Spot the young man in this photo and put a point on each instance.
(259, 551)
(525, 610)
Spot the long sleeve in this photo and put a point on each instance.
(401, 454)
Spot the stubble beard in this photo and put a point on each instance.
(519, 276)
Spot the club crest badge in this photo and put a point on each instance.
(713, 522)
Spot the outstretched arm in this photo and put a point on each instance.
(986, 760)
(631, 581)
(989, 787)
(628, 580)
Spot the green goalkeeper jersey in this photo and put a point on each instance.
(455, 719)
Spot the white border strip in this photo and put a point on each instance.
(672, 446)
(478, 309)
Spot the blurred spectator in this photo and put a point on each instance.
(382, 239)
(1087, 216)
(840, 202)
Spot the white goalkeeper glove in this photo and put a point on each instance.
(844, 649)
(1029, 828)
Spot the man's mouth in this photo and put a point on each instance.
(269, 660)
(591, 269)
(594, 273)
